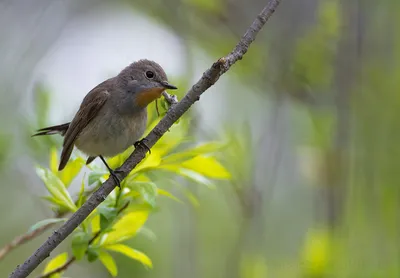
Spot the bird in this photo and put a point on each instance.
(113, 115)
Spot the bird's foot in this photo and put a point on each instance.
(113, 174)
(143, 144)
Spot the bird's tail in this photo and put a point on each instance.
(56, 129)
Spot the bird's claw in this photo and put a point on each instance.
(143, 144)
(115, 177)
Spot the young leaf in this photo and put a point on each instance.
(108, 262)
(95, 177)
(202, 149)
(55, 187)
(126, 227)
(189, 174)
(92, 254)
(147, 233)
(168, 194)
(45, 222)
(81, 196)
(71, 170)
(131, 253)
(147, 190)
(107, 216)
(193, 200)
(197, 177)
(207, 166)
(56, 262)
(59, 205)
(95, 224)
(80, 243)
(150, 162)
(53, 160)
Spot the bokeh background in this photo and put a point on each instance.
(313, 109)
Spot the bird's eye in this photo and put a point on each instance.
(149, 74)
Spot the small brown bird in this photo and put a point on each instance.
(113, 115)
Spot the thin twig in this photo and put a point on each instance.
(69, 262)
(73, 259)
(59, 269)
(171, 99)
(28, 236)
(206, 81)
(21, 239)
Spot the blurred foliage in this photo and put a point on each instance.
(42, 100)
(5, 148)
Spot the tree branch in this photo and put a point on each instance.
(59, 269)
(206, 81)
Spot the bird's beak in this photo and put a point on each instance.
(166, 85)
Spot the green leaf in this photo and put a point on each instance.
(80, 243)
(126, 227)
(56, 262)
(206, 148)
(108, 262)
(150, 162)
(168, 194)
(95, 223)
(164, 104)
(107, 216)
(45, 222)
(56, 188)
(147, 233)
(131, 253)
(81, 196)
(95, 177)
(71, 170)
(59, 205)
(196, 177)
(147, 190)
(207, 166)
(193, 200)
(53, 160)
(190, 196)
(92, 254)
(189, 174)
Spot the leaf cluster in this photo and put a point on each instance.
(125, 211)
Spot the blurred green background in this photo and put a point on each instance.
(308, 120)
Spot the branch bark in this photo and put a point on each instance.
(206, 81)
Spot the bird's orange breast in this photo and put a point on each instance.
(145, 97)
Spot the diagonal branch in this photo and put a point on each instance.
(206, 81)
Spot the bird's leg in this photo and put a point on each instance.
(142, 143)
(90, 159)
(112, 172)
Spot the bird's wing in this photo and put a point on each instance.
(89, 108)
